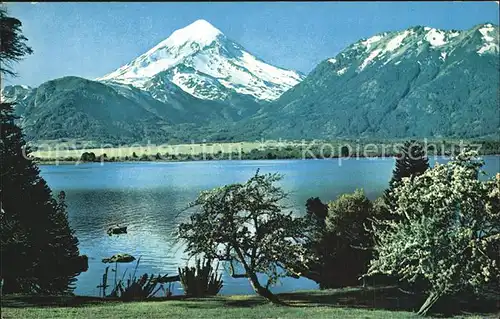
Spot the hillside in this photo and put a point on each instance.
(192, 85)
(419, 82)
(199, 85)
(77, 108)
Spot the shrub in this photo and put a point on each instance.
(201, 280)
(446, 234)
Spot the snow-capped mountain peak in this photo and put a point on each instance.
(200, 31)
(394, 47)
(203, 62)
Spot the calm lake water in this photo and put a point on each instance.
(149, 198)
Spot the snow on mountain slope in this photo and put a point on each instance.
(17, 94)
(418, 82)
(393, 47)
(203, 62)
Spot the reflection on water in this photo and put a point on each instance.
(150, 198)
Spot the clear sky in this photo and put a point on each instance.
(92, 39)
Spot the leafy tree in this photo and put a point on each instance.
(38, 253)
(447, 233)
(243, 225)
(412, 161)
(347, 220)
(341, 248)
(88, 157)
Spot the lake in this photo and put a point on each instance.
(149, 198)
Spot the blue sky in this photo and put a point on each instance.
(92, 39)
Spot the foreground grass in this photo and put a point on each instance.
(194, 309)
(314, 304)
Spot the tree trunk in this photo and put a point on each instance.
(116, 270)
(429, 302)
(254, 281)
(263, 291)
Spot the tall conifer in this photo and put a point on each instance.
(39, 252)
(412, 161)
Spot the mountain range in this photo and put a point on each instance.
(200, 85)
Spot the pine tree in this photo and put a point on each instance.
(13, 246)
(39, 252)
(13, 44)
(412, 161)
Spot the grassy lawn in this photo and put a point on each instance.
(314, 304)
(195, 309)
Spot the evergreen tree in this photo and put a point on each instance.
(316, 210)
(13, 44)
(412, 161)
(13, 246)
(39, 252)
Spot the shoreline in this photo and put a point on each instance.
(66, 162)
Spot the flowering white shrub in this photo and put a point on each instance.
(448, 232)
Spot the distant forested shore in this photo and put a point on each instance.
(270, 150)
